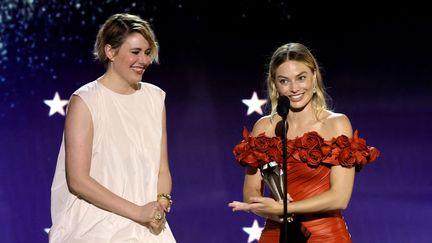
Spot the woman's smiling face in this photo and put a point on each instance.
(132, 58)
(296, 81)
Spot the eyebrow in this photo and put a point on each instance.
(140, 49)
(302, 73)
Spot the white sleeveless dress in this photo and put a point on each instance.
(125, 159)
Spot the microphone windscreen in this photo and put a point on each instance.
(283, 106)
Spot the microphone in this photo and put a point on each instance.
(282, 109)
(283, 106)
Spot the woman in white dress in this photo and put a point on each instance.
(112, 181)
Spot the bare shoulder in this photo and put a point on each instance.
(77, 111)
(263, 125)
(76, 104)
(337, 124)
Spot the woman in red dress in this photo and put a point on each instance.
(323, 154)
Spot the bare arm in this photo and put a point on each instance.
(253, 185)
(78, 139)
(164, 179)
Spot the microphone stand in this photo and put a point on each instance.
(283, 236)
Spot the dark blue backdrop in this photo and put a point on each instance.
(376, 63)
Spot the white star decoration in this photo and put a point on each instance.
(254, 231)
(254, 104)
(56, 105)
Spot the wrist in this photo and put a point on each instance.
(165, 200)
(135, 213)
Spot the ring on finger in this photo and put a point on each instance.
(158, 216)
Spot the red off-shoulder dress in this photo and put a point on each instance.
(310, 159)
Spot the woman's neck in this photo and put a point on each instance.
(303, 119)
(112, 81)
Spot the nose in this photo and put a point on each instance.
(144, 59)
(293, 87)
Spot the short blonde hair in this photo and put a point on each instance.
(115, 30)
(300, 53)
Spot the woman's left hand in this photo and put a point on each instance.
(263, 206)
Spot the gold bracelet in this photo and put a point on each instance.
(168, 198)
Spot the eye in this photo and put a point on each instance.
(283, 81)
(148, 52)
(302, 78)
(135, 52)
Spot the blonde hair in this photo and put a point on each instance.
(300, 53)
(115, 30)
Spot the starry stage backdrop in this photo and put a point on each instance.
(376, 63)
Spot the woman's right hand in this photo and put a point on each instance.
(152, 215)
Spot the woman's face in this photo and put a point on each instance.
(132, 58)
(296, 81)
